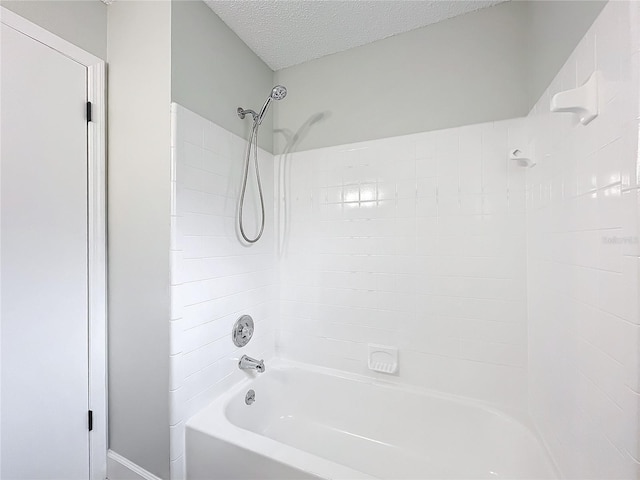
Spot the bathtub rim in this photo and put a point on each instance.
(213, 420)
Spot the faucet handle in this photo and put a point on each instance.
(242, 330)
(260, 367)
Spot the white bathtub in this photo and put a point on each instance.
(308, 422)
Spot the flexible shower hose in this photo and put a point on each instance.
(253, 142)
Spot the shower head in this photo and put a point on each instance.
(278, 92)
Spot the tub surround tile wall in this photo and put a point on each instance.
(416, 242)
(215, 278)
(582, 226)
(514, 286)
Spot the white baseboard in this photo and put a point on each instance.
(120, 468)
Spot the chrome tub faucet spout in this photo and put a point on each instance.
(248, 363)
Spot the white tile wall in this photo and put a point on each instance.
(417, 242)
(215, 279)
(582, 224)
(439, 245)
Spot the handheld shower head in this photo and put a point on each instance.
(277, 93)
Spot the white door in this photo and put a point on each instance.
(43, 262)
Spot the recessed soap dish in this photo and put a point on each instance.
(383, 358)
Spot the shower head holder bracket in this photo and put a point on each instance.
(244, 112)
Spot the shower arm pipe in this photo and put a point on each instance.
(243, 112)
(257, 117)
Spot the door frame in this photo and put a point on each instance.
(97, 216)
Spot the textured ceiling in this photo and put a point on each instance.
(288, 32)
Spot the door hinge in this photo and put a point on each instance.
(90, 420)
(89, 112)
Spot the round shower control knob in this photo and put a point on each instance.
(242, 331)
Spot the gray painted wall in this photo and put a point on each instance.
(139, 35)
(555, 28)
(468, 69)
(83, 23)
(213, 72)
(487, 65)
